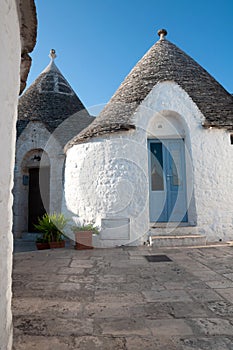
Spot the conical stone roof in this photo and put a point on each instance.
(163, 62)
(50, 99)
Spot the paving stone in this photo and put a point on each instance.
(99, 343)
(206, 276)
(221, 308)
(105, 310)
(166, 296)
(211, 326)
(229, 276)
(186, 285)
(220, 284)
(111, 279)
(42, 285)
(57, 263)
(123, 298)
(38, 306)
(123, 327)
(187, 310)
(81, 279)
(52, 326)
(38, 343)
(83, 264)
(207, 343)
(176, 327)
(203, 295)
(111, 287)
(227, 293)
(149, 343)
(155, 311)
(68, 287)
(70, 270)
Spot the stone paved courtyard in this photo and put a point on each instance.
(116, 300)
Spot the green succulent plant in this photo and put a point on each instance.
(52, 227)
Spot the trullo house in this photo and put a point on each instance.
(158, 159)
(49, 115)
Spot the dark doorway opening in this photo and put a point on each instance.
(38, 197)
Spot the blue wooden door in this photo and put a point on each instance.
(167, 180)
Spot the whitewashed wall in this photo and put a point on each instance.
(105, 179)
(210, 153)
(10, 52)
(36, 137)
(108, 177)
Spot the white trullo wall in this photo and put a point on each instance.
(35, 139)
(106, 179)
(10, 52)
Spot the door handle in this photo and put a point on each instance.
(169, 175)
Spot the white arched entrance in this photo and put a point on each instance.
(170, 169)
(32, 190)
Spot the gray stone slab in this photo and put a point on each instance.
(70, 270)
(229, 276)
(204, 295)
(226, 293)
(170, 327)
(206, 276)
(166, 296)
(81, 279)
(68, 287)
(221, 308)
(52, 327)
(187, 310)
(211, 326)
(123, 298)
(123, 327)
(38, 343)
(39, 306)
(206, 343)
(99, 343)
(83, 264)
(149, 343)
(220, 284)
(111, 279)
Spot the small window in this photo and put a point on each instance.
(231, 139)
(156, 166)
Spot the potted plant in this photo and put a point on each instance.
(83, 236)
(52, 226)
(42, 243)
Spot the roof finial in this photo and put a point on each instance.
(52, 54)
(162, 33)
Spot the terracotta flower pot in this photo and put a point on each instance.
(83, 240)
(42, 246)
(60, 244)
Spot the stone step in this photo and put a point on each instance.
(178, 241)
(30, 236)
(172, 230)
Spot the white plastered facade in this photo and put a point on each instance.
(10, 52)
(107, 178)
(36, 140)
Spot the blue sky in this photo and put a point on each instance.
(98, 42)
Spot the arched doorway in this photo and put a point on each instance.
(35, 184)
(170, 169)
(38, 194)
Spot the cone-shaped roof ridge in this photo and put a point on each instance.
(164, 61)
(50, 99)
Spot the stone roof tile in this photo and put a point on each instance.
(50, 99)
(163, 62)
